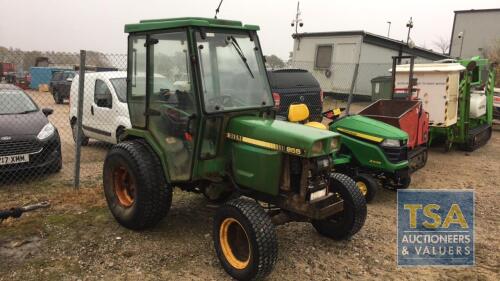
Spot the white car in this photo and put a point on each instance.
(105, 113)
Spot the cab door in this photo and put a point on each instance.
(172, 113)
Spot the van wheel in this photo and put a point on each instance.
(368, 186)
(83, 139)
(134, 186)
(350, 220)
(245, 240)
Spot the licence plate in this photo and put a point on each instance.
(318, 194)
(14, 159)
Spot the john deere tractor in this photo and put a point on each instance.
(202, 120)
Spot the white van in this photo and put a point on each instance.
(105, 113)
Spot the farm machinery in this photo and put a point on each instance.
(203, 121)
(458, 97)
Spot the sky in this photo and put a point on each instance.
(58, 25)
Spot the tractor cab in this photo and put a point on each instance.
(203, 120)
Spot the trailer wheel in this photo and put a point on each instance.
(135, 188)
(245, 240)
(349, 221)
(368, 186)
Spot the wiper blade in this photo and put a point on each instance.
(240, 53)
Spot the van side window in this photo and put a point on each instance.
(102, 94)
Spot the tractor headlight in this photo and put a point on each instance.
(335, 144)
(317, 147)
(391, 143)
(46, 132)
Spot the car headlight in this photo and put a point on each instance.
(46, 132)
(317, 147)
(391, 143)
(335, 144)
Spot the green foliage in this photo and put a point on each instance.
(274, 62)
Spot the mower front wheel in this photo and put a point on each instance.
(352, 218)
(245, 239)
(368, 186)
(134, 186)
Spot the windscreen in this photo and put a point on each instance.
(15, 102)
(233, 72)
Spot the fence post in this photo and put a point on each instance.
(79, 114)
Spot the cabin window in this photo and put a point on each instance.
(323, 56)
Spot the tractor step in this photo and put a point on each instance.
(417, 158)
(478, 137)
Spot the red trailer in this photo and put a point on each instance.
(409, 116)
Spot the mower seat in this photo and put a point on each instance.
(300, 113)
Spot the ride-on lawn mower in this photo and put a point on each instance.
(202, 120)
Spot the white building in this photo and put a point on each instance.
(474, 31)
(332, 57)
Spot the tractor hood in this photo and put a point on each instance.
(291, 138)
(367, 128)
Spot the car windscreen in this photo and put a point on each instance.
(291, 79)
(120, 86)
(15, 102)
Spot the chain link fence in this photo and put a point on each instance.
(38, 109)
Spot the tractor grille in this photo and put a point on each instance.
(308, 96)
(15, 147)
(396, 154)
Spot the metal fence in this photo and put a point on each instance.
(39, 109)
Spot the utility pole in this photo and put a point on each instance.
(389, 29)
(410, 26)
(297, 22)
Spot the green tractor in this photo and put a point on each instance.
(202, 120)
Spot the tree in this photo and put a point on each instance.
(274, 61)
(443, 45)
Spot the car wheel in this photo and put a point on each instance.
(134, 186)
(245, 240)
(352, 218)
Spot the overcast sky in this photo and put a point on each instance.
(98, 24)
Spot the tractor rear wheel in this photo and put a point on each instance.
(350, 220)
(368, 186)
(245, 239)
(135, 188)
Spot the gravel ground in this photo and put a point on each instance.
(78, 239)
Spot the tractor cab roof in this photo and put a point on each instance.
(156, 24)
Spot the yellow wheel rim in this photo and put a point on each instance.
(234, 243)
(362, 187)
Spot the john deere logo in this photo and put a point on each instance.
(5, 138)
(435, 228)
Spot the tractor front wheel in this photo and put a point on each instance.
(368, 186)
(135, 188)
(352, 218)
(245, 239)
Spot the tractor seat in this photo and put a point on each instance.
(299, 113)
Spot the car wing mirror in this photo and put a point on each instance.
(69, 79)
(47, 111)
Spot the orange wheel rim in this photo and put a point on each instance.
(234, 243)
(124, 186)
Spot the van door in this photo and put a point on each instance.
(100, 121)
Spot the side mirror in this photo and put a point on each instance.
(69, 79)
(47, 111)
